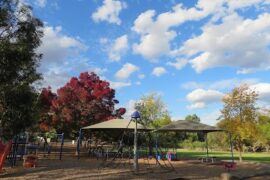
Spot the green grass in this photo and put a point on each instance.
(259, 157)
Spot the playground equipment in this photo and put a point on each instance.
(4, 151)
(30, 161)
(21, 148)
(137, 144)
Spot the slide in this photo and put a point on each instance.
(4, 151)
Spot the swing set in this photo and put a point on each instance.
(122, 152)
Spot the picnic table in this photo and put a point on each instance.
(208, 159)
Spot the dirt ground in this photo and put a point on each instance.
(87, 168)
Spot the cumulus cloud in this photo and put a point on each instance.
(118, 48)
(58, 52)
(41, 3)
(109, 11)
(200, 98)
(236, 42)
(263, 90)
(56, 46)
(119, 85)
(210, 117)
(126, 71)
(55, 78)
(158, 71)
(179, 63)
(224, 84)
(130, 108)
(157, 33)
(99, 71)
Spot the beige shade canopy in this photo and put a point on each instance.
(115, 124)
(188, 126)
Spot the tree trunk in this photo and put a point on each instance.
(267, 148)
(240, 155)
(240, 149)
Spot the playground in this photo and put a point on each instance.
(116, 160)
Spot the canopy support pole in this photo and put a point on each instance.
(206, 143)
(135, 165)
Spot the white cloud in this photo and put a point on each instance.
(158, 71)
(99, 71)
(130, 108)
(119, 47)
(119, 85)
(141, 76)
(200, 98)
(192, 85)
(231, 83)
(57, 61)
(179, 63)
(210, 118)
(156, 34)
(55, 78)
(41, 3)
(156, 30)
(225, 84)
(109, 11)
(236, 42)
(263, 90)
(126, 71)
(197, 105)
(57, 47)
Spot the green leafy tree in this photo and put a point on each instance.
(239, 116)
(153, 114)
(162, 121)
(20, 35)
(152, 108)
(192, 117)
(264, 131)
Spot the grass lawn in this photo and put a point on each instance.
(259, 157)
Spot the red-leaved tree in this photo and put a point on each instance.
(45, 101)
(81, 102)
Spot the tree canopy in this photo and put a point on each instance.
(20, 35)
(153, 110)
(81, 102)
(239, 116)
(193, 117)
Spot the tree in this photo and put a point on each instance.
(192, 117)
(20, 35)
(264, 130)
(82, 101)
(199, 135)
(162, 121)
(153, 114)
(152, 109)
(239, 116)
(44, 103)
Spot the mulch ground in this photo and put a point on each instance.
(89, 168)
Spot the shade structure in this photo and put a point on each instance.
(188, 126)
(120, 124)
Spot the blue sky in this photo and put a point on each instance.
(189, 52)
